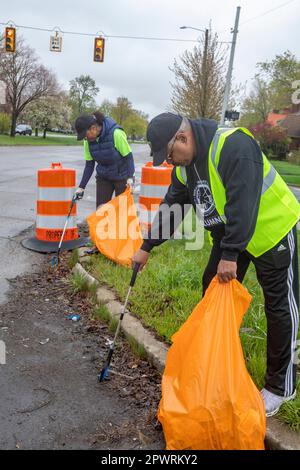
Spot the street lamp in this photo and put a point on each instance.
(196, 29)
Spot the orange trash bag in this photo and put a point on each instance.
(115, 229)
(209, 401)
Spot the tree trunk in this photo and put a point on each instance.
(14, 118)
(44, 135)
(36, 132)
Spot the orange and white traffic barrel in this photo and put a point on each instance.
(56, 186)
(155, 181)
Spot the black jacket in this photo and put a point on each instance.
(241, 170)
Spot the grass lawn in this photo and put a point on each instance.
(289, 172)
(5, 140)
(168, 290)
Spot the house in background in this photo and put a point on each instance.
(289, 119)
(275, 118)
(292, 124)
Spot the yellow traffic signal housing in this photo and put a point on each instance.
(10, 39)
(99, 49)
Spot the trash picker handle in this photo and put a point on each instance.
(134, 274)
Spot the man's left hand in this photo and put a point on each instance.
(226, 270)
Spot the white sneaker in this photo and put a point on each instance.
(274, 402)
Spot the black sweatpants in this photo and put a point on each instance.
(106, 188)
(277, 273)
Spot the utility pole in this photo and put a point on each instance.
(230, 67)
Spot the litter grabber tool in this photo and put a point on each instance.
(105, 371)
(55, 259)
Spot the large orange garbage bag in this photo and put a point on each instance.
(115, 229)
(209, 401)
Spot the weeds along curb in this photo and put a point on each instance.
(278, 435)
(155, 350)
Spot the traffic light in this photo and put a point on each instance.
(99, 49)
(10, 39)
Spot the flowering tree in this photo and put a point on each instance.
(48, 112)
(273, 139)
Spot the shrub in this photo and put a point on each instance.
(5, 123)
(294, 157)
(273, 140)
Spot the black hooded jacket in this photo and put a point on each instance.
(241, 171)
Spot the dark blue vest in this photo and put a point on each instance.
(111, 165)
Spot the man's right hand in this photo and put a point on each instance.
(79, 193)
(140, 257)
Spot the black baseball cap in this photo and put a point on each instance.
(83, 123)
(159, 133)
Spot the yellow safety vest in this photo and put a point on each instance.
(278, 210)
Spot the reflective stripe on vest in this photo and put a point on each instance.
(278, 210)
(181, 174)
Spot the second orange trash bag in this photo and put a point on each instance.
(209, 401)
(115, 230)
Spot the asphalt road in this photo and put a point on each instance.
(50, 396)
(296, 191)
(18, 170)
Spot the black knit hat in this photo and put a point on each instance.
(159, 133)
(83, 123)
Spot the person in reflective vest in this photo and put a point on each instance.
(104, 143)
(251, 216)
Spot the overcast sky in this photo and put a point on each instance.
(138, 69)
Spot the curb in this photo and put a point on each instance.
(156, 350)
(278, 435)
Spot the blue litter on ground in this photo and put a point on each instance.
(73, 317)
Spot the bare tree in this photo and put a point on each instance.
(25, 78)
(200, 75)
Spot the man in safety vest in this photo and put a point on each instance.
(251, 215)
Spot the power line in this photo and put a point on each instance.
(262, 14)
(267, 12)
(146, 38)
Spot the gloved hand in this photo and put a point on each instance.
(131, 183)
(79, 193)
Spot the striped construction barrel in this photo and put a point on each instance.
(56, 186)
(155, 181)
